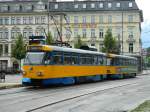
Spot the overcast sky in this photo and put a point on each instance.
(145, 6)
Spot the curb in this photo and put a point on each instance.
(10, 85)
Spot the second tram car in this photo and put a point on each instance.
(46, 65)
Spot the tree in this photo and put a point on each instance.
(49, 39)
(19, 50)
(78, 42)
(110, 43)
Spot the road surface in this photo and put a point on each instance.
(105, 96)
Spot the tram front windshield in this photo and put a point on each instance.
(34, 58)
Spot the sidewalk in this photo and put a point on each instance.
(11, 80)
(146, 72)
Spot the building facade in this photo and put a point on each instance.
(88, 19)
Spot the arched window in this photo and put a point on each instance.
(4, 33)
(39, 31)
(15, 32)
(27, 31)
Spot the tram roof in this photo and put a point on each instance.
(121, 56)
(74, 50)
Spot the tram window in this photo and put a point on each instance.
(95, 60)
(100, 60)
(57, 58)
(48, 58)
(74, 59)
(67, 58)
(83, 59)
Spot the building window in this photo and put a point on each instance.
(130, 18)
(118, 4)
(18, 20)
(4, 8)
(92, 33)
(101, 19)
(15, 32)
(27, 7)
(84, 19)
(30, 20)
(75, 32)
(109, 5)
(1, 21)
(1, 49)
(67, 19)
(6, 20)
(13, 20)
(56, 6)
(76, 19)
(25, 20)
(37, 20)
(130, 4)
(43, 20)
(84, 6)
(68, 34)
(101, 45)
(76, 6)
(101, 5)
(92, 5)
(6, 49)
(6, 34)
(101, 33)
(109, 19)
(84, 33)
(92, 19)
(130, 47)
(16, 7)
(130, 32)
(1, 34)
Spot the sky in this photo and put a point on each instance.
(145, 6)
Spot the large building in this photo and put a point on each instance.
(88, 19)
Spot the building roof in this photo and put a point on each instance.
(69, 6)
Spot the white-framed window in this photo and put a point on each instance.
(4, 8)
(130, 4)
(56, 6)
(118, 18)
(101, 45)
(37, 20)
(30, 20)
(75, 32)
(101, 33)
(6, 20)
(43, 19)
(118, 4)
(92, 33)
(18, 20)
(83, 19)
(75, 19)
(101, 5)
(76, 6)
(92, 5)
(109, 18)
(109, 5)
(1, 20)
(84, 33)
(101, 19)
(130, 47)
(13, 20)
(92, 19)
(84, 6)
(130, 18)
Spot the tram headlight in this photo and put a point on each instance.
(24, 73)
(39, 74)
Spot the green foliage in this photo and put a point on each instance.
(148, 49)
(49, 39)
(79, 42)
(110, 43)
(19, 50)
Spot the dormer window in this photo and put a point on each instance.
(56, 6)
(40, 6)
(109, 5)
(130, 4)
(92, 5)
(101, 5)
(16, 7)
(76, 6)
(84, 6)
(4, 8)
(118, 4)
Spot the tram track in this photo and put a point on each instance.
(77, 96)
